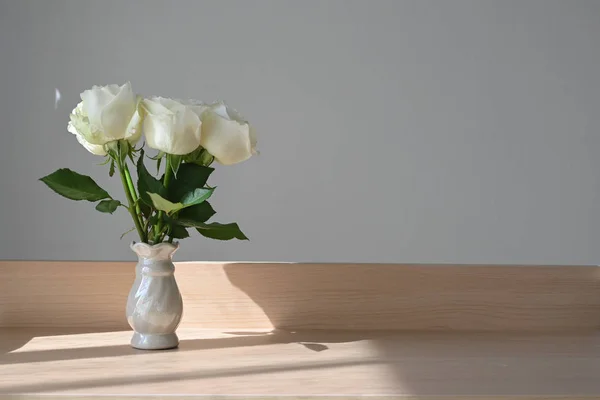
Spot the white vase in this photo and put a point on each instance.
(154, 305)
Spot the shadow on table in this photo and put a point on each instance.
(78, 384)
(313, 341)
(427, 363)
(423, 365)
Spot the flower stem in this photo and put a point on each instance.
(158, 232)
(168, 172)
(131, 208)
(132, 190)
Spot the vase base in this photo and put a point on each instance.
(154, 342)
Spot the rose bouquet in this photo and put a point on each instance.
(187, 138)
(110, 121)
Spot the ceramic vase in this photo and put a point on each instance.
(154, 305)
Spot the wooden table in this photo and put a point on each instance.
(279, 363)
(391, 330)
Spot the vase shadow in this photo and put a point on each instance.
(313, 341)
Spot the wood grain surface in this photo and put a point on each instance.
(304, 363)
(313, 296)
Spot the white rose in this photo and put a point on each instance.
(106, 114)
(171, 126)
(225, 134)
(96, 149)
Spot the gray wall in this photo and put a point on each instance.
(390, 131)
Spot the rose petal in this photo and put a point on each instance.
(171, 126)
(92, 148)
(117, 114)
(228, 141)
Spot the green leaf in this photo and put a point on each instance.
(74, 186)
(206, 158)
(153, 220)
(219, 231)
(158, 165)
(189, 177)
(178, 232)
(192, 198)
(111, 170)
(175, 161)
(146, 182)
(193, 156)
(199, 156)
(108, 206)
(144, 208)
(163, 204)
(196, 196)
(194, 214)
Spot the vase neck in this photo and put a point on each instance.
(160, 252)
